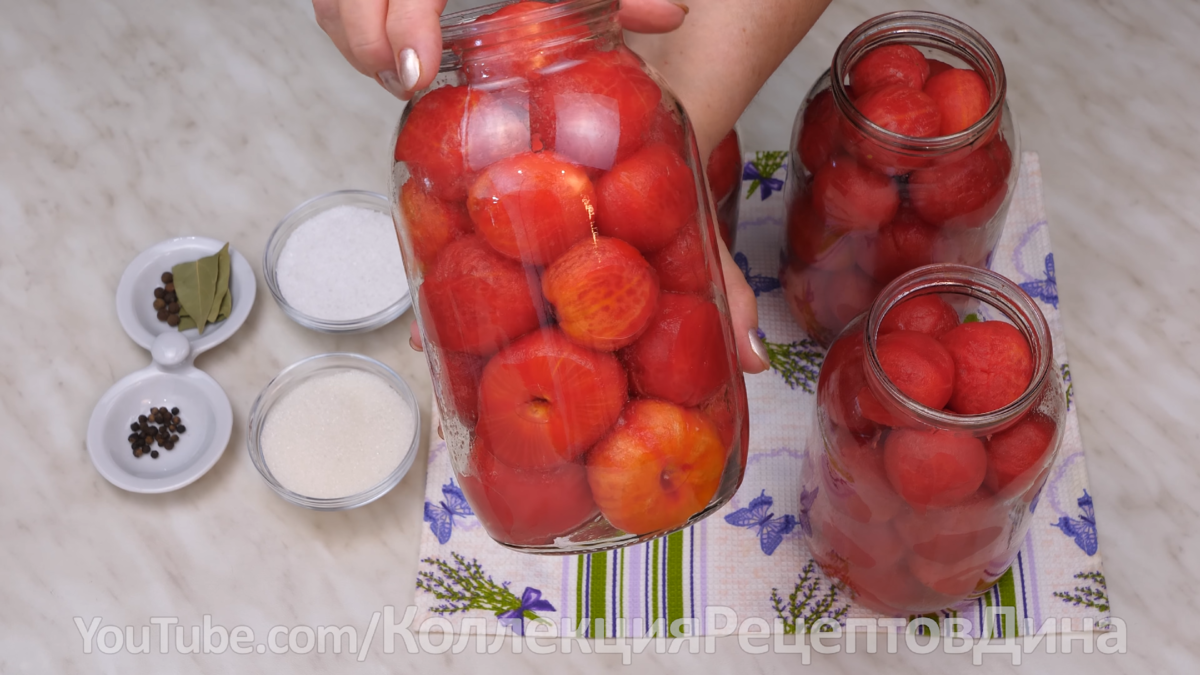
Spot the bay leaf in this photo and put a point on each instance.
(186, 323)
(226, 305)
(222, 286)
(195, 286)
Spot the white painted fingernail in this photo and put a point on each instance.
(410, 69)
(760, 349)
(391, 82)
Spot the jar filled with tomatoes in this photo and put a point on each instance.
(904, 154)
(554, 221)
(939, 414)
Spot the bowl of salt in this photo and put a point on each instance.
(333, 264)
(334, 431)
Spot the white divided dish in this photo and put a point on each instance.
(135, 292)
(170, 380)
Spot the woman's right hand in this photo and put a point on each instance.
(398, 43)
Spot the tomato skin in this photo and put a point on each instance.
(647, 198)
(453, 132)
(596, 112)
(532, 207)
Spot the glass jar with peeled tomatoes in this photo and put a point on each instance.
(554, 221)
(939, 414)
(904, 154)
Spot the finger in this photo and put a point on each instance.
(329, 19)
(414, 337)
(364, 25)
(743, 310)
(415, 33)
(651, 16)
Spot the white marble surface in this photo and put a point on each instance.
(124, 122)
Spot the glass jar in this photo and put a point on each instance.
(867, 203)
(913, 509)
(556, 233)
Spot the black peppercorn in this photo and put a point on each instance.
(154, 454)
(175, 411)
(167, 277)
(142, 419)
(134, 426)
(180, 428)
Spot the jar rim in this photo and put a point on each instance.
(458, 27)
(995, 290)
(947, 33)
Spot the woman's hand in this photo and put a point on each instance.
(398, 43)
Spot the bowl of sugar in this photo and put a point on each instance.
(333, 264)
(334, 431)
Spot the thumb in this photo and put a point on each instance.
(651, 16)
(743, 311)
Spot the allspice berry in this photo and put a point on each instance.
(172, 320)
(167, 277)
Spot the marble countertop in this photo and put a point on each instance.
(125, 122)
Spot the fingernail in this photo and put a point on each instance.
(413, 344)
(760, 349)
(391, 82)
(440, 432)
(410, 69)
(682, 6)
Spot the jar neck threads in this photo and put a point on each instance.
(933, 31)
(989, 289)
(558, 23)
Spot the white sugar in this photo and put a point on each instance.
(342, 264)
(337, 434)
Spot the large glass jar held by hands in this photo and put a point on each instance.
(932, 439)
(553, 218)
(904, 154)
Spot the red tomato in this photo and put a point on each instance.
(851, 196)
(646, 198)
(682, 357)
(961, 96)
(819, 131)
(934, 469)
(993, 366)
(545, 400)
(905, 243)
(595, 112)
(452, 132)
(901, 110)
(532, 207)
(526, 506)
(928, 314)
(431, 222)
(966, 193)
(476, 300)
(724, 168)
(889, 65)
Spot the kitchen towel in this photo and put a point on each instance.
(668, 586)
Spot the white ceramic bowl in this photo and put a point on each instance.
(169, 381)
(135, 292)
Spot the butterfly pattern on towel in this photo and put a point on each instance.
(1083, 528)
(1046, 289)
(759, 283)
(758, 516)
(441, 516)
